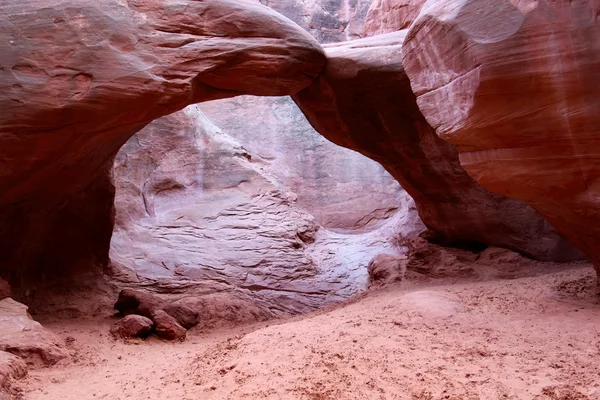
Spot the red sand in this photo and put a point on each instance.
(535, 337)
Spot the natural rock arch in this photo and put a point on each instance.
(83, 79)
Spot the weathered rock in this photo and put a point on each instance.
(26, 338)
(385, 16)
(78, 79)
(196, 210)
(184, 315)
(226, 309)
(385, 269)
(327, 20)
(132, 326)
(364, 101)
(11, 367)
(133, 301)
(167, 327)
(516, 86)
(342, 189)
(144, 304)
(4, 289)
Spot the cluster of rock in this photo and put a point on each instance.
(145, 313)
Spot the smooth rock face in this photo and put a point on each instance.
(364, 101)
(342, 189)
(196, 210)
(132, 326)
(516, 87)
(387, 16)
(26, 338)
(79, 78)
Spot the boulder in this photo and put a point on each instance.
(4, 289)
(132, 326)
(364, 101)
(385, 269)
(146, 305)
(167, 327)
(79, 78)
(515, 86)
(26, 338)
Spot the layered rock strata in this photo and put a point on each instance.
(364, 101)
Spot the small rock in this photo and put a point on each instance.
(132, 326)
(167, 327)
(184, 315)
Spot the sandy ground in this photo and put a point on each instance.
(535, 337)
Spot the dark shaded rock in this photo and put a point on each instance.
(167, 327)
(132, 326)
(133, 301)
(4, 289)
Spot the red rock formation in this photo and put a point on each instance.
(387, 16)
(327, 20)
(196, 210)
(78, 79)
(516, 86)
(364, 101)
(342, 189)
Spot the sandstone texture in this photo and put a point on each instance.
(79, 78)
(196, 211)
(520, 85)
(167, 327)
(26, 338)
(385, 16)
(327, 20)
(132, 326)
(364, 101)
(136, 302)
(11, 367)
(386, 269)
(342, 189)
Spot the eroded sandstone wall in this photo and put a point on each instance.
(77, 79)
(520, 81)
(364, 101)
(196, 209)
(342, 189)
